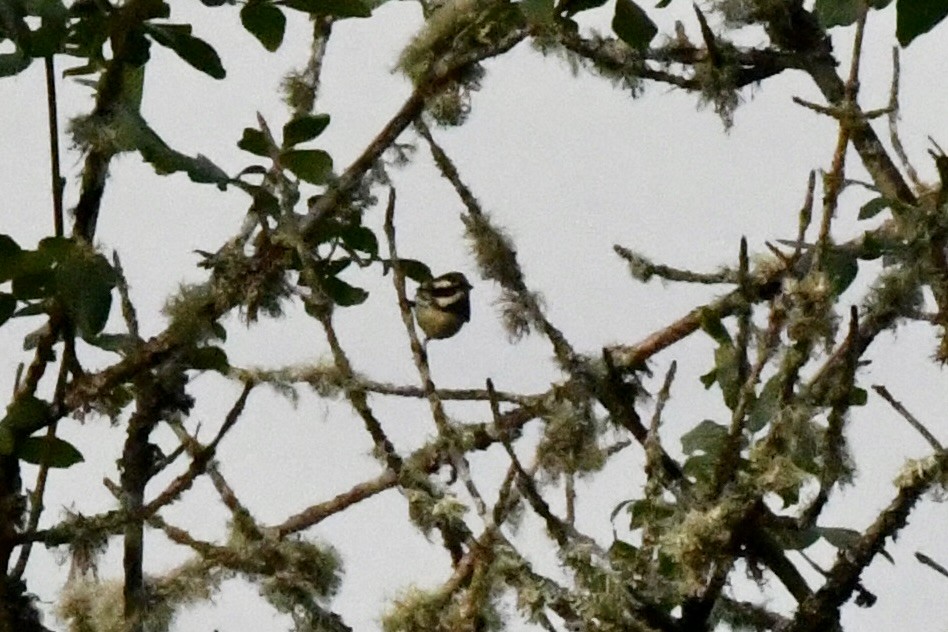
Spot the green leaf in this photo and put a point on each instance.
(14, 63)
(312, 165)
(700, 468)
(727, 373)
(48, 38)
(837, 12)
(33, 276)
(711, 324)
(706, 437)
(572, 7)
(841, 268)
(7, 440)
(84, 282)
(360, 238)
(709, 379)
(873, 207)
(767, 405)
(623, 553)
(219, 332)
(51, 451)
(255, 142)
(9, 257)
(858, 397)
(537, 11)
(26, 414)
(337, 8)
(632, 25)
(662, 4)
(304, 128)
(265, 203)
(265, 22)
(839, 537)
(415, 270)
(915, 17)
(191, 49)
(7, 306)
(31, 309)
(342, 293)
(117, 343)
(795, 539)
(647, 512)
(163, 158)
(209, 359)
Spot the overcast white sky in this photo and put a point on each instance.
(570, 166)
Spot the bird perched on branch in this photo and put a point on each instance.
(443, 305)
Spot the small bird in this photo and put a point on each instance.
(443, 305)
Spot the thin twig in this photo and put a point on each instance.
(56, 178)
(927, 561)
(909, 417)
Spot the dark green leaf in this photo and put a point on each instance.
(647, 512)
(915, 17)
(873, 207)
(311, 165)
(841, 268)
(360, 238)
(265, 22)
(7, 440)
(56, 248)
(27, 414)
(209, 359)
(342, 293)
(334, 267)
(837, 12)
(217, 3)
(707, 437)
(9, 257)
(7, 306)
(700, 467)
(727, 372)
(33, 276)
(537, 11)
(191, 49)
(711, 324)
(623, 552)
(219, 332)
(265, 203)
(31, 309)
(304, 128)
(767, 405)
(632, 25)
(796, 540)
(858, 397)
(14, 63)
(840, 537)
(252, 169)
(709, 378)
(51, 451)
(48, 38)
(415, 270)
(572, 7)
(254, 141)
(118, 343)
(163, 158)
(337, 8)
(84, 282)
(662, 4)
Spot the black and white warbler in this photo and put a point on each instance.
(443, 305)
